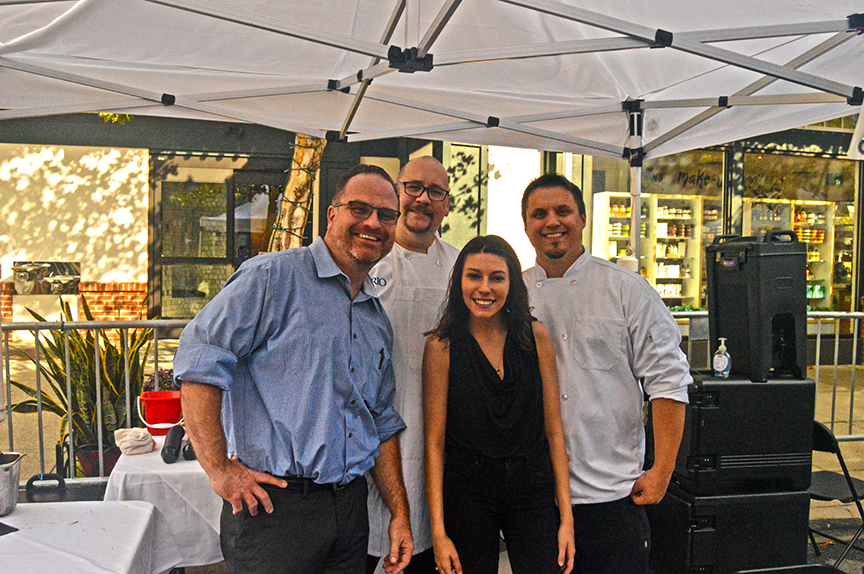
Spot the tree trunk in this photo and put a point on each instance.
(297, 200)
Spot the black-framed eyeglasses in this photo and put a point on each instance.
(362, 210)
(415, 189)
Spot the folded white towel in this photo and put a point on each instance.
(134, 441)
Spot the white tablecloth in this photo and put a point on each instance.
(181, 492)
(92, 537)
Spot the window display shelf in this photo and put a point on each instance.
(673, 240)
(828, 229)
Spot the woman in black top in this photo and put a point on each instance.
(495, 458)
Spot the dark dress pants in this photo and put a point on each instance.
(611, 538)
(317, 532)
(514, 496)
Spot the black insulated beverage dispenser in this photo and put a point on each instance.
(757, 300)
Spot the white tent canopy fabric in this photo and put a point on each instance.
(543, 74)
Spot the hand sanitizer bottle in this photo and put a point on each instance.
(722, 361)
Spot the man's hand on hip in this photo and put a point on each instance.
(239, 485)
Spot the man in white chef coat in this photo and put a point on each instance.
(615, 341)
(412, 283)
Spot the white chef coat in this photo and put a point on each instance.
(411, 287)
(610, 329)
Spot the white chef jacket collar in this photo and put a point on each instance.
(582, 261)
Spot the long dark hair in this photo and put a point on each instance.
(516, 312)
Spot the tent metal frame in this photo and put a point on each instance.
(387, 58)
(633, 36)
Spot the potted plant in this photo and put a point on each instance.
(81, 411)
(165, 382)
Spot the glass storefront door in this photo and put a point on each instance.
(210, 215)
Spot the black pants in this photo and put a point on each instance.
(515, 496)
(611, 538)
(317, 532)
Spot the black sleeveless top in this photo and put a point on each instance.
(487, 415)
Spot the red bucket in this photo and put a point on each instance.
(162, 409)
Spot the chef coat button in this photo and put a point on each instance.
(539, 284)
(572, 282)
(407, 256)
(564, 397)
(439, 264)
(564, 336)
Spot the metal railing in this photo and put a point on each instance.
(820, 318)
(844, 329)
(98, 329)
(694, 326)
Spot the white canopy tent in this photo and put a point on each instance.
(634, 78)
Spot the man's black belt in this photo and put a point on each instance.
(301, 484)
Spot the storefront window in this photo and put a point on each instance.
(253, 218)
(213, 213)
(188, 212)
(687, 188)
(610, 175)
(193, 231)
(681, 213)
(815, 198)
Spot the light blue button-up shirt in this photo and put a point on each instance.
(306, 370)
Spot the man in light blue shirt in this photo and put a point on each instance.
(300, 347)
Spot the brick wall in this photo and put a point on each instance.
(107, 301)
(114, 301)
(6, 289)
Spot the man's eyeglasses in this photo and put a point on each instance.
(362, 210)
(415, 189)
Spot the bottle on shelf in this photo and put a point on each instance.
(722, 361)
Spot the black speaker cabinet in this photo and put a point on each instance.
(757, 299)
(746, 437)
(725, 534)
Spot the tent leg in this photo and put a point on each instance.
(634, 108)
(636, 213)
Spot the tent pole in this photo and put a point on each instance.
(270, 24)
(412, 22)
(398, 10)
(489, 121)
(627, 43)
(437, 26)
(636, 213)
(635, 153)
(806, 57)
(681, 42)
